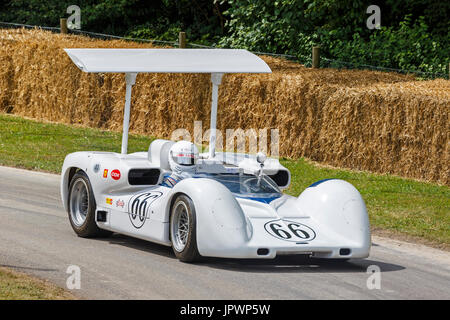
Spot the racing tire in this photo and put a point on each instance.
(81, 208)
(183, 229)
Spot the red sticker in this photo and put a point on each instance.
(120, 203)
(115, 174)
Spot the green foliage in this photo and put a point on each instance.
(270, 26)
(407, 40)
(409, 46)
(137, 18)
(161, 29)
(200, 19)
(108, 16)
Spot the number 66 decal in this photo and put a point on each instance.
(289, 230)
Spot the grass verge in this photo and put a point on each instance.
(403, 208)
(18, 286)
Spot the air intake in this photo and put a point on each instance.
(344, 252)
(101, 216)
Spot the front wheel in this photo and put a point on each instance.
(183, 229)
(82, 208)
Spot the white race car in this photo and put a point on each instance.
(215, 204)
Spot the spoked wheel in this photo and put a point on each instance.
(79, 202)
(82, 208)
(182, 229)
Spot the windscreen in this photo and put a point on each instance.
(245, 185)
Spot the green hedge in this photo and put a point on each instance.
(409, 42)
(414, 34)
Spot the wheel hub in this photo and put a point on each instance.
(79, 202)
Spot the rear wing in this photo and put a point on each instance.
(133, 61)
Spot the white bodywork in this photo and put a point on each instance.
(328, 220)
(332, 213)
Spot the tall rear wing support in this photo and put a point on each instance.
(130, 79)
(216, 79)
(216, 62)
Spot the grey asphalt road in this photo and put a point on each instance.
(36, 238)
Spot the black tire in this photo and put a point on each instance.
(190, 252)
(89, 228)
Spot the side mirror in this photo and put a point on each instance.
(261, 158)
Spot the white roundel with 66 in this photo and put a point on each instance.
(289, 230)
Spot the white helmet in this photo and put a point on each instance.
(183, 157)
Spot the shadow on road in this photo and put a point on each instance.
(142, 245)
(281, 264)
(296, 264)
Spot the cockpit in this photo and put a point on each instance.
(245, 185)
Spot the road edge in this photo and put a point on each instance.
(394, 241)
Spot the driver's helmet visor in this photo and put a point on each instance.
(184, 159)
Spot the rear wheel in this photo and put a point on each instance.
(183, 229)
(81, 208)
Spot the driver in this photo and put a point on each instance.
(183, 157)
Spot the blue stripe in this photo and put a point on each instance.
(315, 184)
(263, 200)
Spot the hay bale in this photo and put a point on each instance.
(376, 121)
